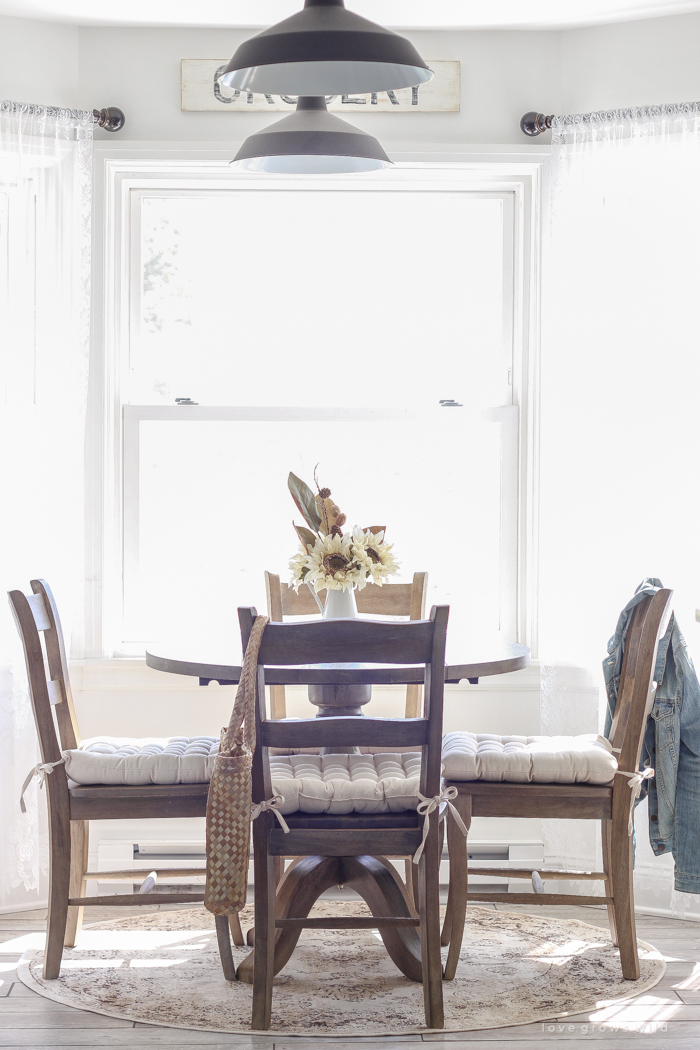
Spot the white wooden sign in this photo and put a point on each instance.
(201, 92)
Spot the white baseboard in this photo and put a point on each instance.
(9, 909)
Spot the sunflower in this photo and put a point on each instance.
(299, 568)
(333, 563)
(375, 555)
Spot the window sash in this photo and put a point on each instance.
(123, 178)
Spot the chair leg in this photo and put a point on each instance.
(623, 899)
(77, 884)
(223, 937)
(265, 901)
(429, 911)
(459, 863)
(606, 835)
(59, 883)
(447, 924)
(234, 921)
(414, 885)
(410, 887)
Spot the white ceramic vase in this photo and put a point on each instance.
(340, 605)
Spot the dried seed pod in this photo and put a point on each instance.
(324, 493)
(341, 519)
(336, 530)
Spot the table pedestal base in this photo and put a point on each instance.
(374, 878)
(339, 701)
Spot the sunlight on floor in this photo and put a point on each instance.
(692, 981)
(560, 954)
(640, 1011)
(114, 940)
(91, 964)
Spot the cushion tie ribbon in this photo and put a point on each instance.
(40, 771)
(635, 782)
(426, 806)
(270, 806)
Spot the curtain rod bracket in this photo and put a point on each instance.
(535, 123)
(110, 118)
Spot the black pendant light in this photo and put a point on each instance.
(325, 50)
(310, 141)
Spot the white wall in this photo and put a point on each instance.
(631, 64)
(38, 62)
(503, 75)
(139, 70)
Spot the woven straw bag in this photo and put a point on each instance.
(229, 802)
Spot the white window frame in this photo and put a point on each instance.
(121, 176)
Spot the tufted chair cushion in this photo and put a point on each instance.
(385, 783)
(528, 759)
(146, 760)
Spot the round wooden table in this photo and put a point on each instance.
(335, 690)
(209, 663)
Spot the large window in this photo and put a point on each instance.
(317, 322)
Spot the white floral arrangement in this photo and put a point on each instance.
(327, 558)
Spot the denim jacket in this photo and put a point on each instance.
(671, 743)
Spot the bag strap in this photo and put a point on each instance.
(239, 736)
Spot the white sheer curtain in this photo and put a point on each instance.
(620, 396)
(45, 186)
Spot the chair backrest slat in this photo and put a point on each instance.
(393, 599)
(352, 731)
(367, 642)
(39, 611)
(635, 694)
(55, 693)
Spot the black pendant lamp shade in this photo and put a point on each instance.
(310, 141)
(325, 50)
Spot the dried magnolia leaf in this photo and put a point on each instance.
(307, 537)
(305, 501)
(375, 529)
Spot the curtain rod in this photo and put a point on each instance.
(110, 117)
(536, 123)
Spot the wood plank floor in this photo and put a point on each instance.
(667, 1017)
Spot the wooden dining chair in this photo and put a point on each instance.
(355, 834)
(72, 806)
(391, 599)
(610, 803)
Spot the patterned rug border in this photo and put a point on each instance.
(27, 978)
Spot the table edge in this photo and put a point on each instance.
(231, 672)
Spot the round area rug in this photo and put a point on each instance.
(164, 969)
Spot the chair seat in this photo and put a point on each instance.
(340, 784)
(586, 759)
(354, 821)
(135, 762)
(125, 802)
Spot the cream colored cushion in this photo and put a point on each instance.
(385, 783)
(148, 760)
(528, 759)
